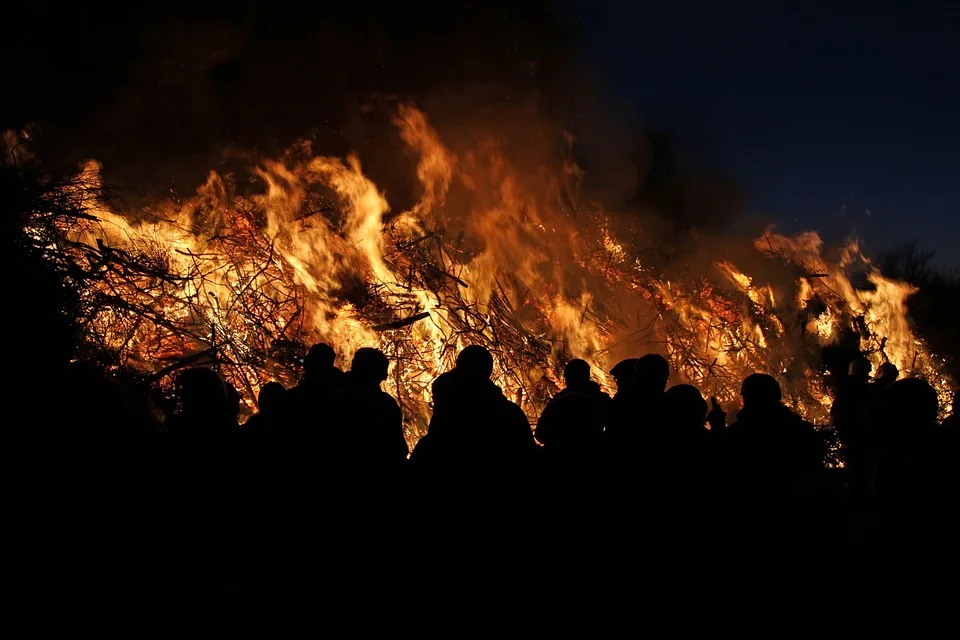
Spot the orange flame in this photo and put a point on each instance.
(319, 256)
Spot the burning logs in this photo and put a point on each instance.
(246, 282)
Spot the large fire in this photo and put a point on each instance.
(244, 281)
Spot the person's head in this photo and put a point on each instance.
(859, 369)
(645, 375)
(685, 405)
(760, 391)
(576, 373)
(200, 390)
(370, 365)
(887, 374)
(625, 374)
(475, 363)
(271, 397)
(653, 371)
(320, 356)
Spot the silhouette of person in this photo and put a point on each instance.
(688, 451)
(307, 432)
(848, 409)
(265, 428)
(319, 370)
(204, 409)
(271, 401)
(321, 381)
(887, 374)
(203, 432)
(368, 453)
(635, 423)
(850, 414)
(916, 490)
(775, 459)
(907, 439)
(473, 423)
(688, 439)
(370, 425)
(474, 471)
(768, 435)
(571, 424)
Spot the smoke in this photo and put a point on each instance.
(161, 98)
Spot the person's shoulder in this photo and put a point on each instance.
(798, 422)
(387, 399)
(444, 381)
(597, 390)
(446, 376)
(513, 409)
(566, 394)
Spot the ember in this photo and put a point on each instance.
(245, 281)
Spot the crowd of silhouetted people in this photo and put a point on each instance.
(645, 512)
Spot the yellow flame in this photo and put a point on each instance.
(506, 265)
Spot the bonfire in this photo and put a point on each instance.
(245, 283)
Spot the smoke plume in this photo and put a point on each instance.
(158, 95)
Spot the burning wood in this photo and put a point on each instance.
(248, 281)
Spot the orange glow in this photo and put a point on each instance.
(318, 255)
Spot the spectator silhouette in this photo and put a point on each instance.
(916, 491)
(205, 413)
(849, 408)
(308, 432)
(688, 452)
(887, 374)
(571, 424)
(474, 470)
(473, 423)
(769, 436)
(369, 425)
(851, 418)
(265, 429)
(636, 421)
(688, 442)
(271, 402)
(367, 478)
(321, 380)
(204, 433)
(908, 438)
(775, 465)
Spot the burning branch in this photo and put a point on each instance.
(243, 283)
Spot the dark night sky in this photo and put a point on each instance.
(824, 112)
(821, 113)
